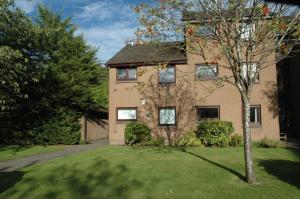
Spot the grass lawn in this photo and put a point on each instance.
(15, 151)
(125, 172)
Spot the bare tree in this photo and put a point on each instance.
(249, 35)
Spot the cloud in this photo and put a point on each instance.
(103, 10)
(109, 40)
(107, 25)
(27, 6)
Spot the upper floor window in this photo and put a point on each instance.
(247, 31)
(208, 113)
(250, 71)
(167, 75)
(126, 74)
(255, 116)
(205, 71)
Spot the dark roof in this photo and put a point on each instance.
(196, 16)
(148, 54)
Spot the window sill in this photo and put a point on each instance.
(206, 78)
(167, 125)
(166, 84)
(126, 81)
(124, 121)
(255, 125)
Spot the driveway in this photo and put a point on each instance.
(19, 163)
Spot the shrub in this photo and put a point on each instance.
(189, 139)
(160, 142)
(137, 133)
(215, 133)
(267, 143)
(63, 129)
(236, 140)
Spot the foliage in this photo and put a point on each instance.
(236, 140)
(189, 139)
(268, 143)
(47, 69)
(215, 133)
(62, 129)
(137, 133)
(159, 142)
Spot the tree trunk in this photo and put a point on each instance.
(250, 177)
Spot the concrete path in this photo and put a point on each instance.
(19, 163)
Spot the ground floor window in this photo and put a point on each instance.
(126, 114)
(255, 116)
(208, 113)
(167, 116)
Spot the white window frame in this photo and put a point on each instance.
(247, 30)
(172, 121)
(254, 69)
(131, 116)
(213, 67)
(257, 122)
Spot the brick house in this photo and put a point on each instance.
(171, 91)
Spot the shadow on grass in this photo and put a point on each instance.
(9, 179)
(15, 148)
(285, 170)
(100, 179)
(239, 175)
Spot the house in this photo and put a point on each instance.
(171, 91)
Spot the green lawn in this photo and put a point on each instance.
(14, 151)
(125, 172)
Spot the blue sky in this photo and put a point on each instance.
(106, 24)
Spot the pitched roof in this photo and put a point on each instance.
(148, 54)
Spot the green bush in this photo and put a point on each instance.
(189, 139)
(236, 140)
(267, 143)
(215, 133)
(63, 129)
(137, 133)
(160, 142)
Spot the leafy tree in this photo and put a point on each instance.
(51, 74)
(243, 33)
(21, 55)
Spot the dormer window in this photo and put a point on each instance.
(126, 74)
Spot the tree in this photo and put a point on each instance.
(21, 56)
(245, 33)
(49, 78)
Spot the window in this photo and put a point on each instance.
(205, 30)
(167, 116)
(167, 75)
(126, 74)
(208, 113)
(254, 72)
(206, 72)
(126, 114)
(255, 116)
(247, 30)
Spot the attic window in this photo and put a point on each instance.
(126, 74)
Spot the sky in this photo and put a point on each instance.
(105, 24)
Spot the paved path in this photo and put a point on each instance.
(12, 165)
